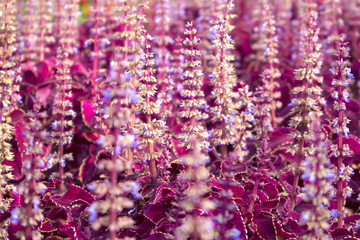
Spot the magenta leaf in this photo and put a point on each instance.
(154, 212)
(74, 194)
(265, 225)
(87, 112)
(280, 136)
(42, 72)
(87, 170)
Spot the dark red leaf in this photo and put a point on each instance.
(264, 225)
(87, 112)
(280, 136)
(154, 212)
(74, 194)
(42, 72)
(87, 170)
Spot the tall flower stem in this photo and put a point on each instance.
(43, 30)
(3, 59)
(64, 81)
(262, 127)
(58, 21)
(113, 185)
(150, 147)
(340, 150)
(306, 106)
(96, 46)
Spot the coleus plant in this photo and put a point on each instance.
(166, 119)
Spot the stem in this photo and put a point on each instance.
(29, 212)
(254, 194)
(4, 57)
(223, 124)
(162, 46)
(32, 183)
(153, 170)
(272, 104)
(134, 80)
(62, 129)
(43, 29)
(57, 21)
(3, 60)
(240, 137)
(113, 221)
(221, 75)
(340, 197)
(300, 153)
(131, 150)
(96, 47)
(261, 158)
(300, 156)
(191, 87)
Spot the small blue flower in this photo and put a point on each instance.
(341, 170)
(292, 103)
(91, 186)
(211, 76)
(210, 134)
(134, 144)
(106, 94)
(36, 204)
(19, 99)
(118, 150)
(349, 74)
(346, 96)
(305, 176)
(233, 234)
(330, 175)
(93, 213)
(128, 77)
(100, 141)
(135, 190)
(133, 97)
(73, 113)
(334, 213)
(50, 161)
(14, 216)
(99, 79)
(131, 211)
(305, 216)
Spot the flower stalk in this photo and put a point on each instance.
(340, 150)
(306, 108)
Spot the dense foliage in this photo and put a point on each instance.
(201, 120)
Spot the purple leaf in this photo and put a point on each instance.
(87, 112)
(154, 212)
(74, 194)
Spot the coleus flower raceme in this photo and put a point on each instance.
(306, 106)
(8, 96)
(193, 105)
(29, 214)
(223, 113)
(339, 149)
